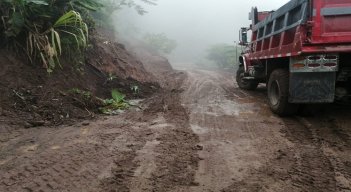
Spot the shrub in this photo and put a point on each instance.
(45, 29)
(160, 42)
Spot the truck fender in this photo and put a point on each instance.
(242, 61)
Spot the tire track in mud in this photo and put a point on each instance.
(332, 142)
(200, 134)
(312, 169)
(69, 165)
(151, 150)
(333, 138)
(226, 133)
(177, 158)
(290, 156)
(306, 163)
(75, 159)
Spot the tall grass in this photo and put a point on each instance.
(45, 29)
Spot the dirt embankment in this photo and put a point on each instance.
(29, 96)
(153, 149)
(155, 64)
(150, 148)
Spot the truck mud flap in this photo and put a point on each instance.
(315, 87)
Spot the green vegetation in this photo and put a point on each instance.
(112, 106)
(223, 55)
(118, 4)
(107, 106)
(86, 95)
(160, 43)
(111, 77)
(45, 29)
(104, 17)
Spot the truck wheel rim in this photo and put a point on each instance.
(274, 93)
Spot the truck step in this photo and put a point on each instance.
(249, 78)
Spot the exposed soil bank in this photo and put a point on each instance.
(153, 149)
(30, 97)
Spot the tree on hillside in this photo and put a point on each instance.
(223, 55)
(134, 4)
(113, 5)
(104, 17)
(160, 43)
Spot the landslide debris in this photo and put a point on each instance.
(30, 97)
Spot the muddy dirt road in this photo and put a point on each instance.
(201, 133)
(247, 148)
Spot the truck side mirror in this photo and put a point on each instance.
(243, 36)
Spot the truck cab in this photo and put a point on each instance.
(302, 51)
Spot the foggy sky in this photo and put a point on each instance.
(197, 24)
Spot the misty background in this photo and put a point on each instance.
(194, 24)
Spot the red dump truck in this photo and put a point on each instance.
(302, 51)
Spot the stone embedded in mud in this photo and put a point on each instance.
(35, 123)
(199, 147)
(27, 125)
(194, 183)
(85, 123)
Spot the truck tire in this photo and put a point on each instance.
(278, 93)
(243, 83)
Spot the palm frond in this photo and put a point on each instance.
(45, 28)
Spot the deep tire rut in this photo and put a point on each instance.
(282, 154)
(73, 165)
(317, 167)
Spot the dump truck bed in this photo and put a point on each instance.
(331, 21)
(303, 26)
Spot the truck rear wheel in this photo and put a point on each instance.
(245, 83)
(278, 93)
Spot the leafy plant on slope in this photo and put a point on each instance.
(114, 105)
(44, 29)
